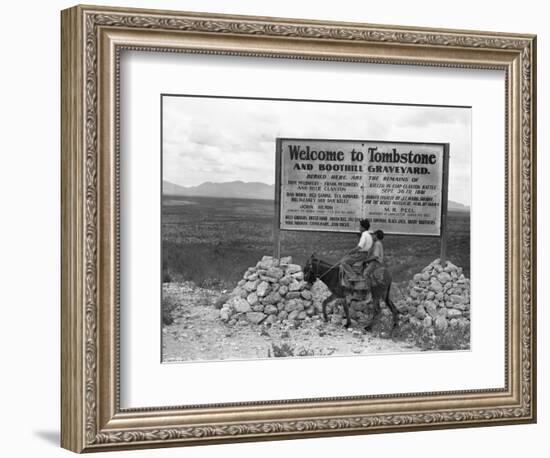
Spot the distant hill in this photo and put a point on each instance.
(457, 207)
(245, 190)
(233, 189)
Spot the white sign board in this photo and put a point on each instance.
(329, 185)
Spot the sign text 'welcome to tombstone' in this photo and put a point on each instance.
(328, 185)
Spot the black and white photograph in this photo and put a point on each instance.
(313, 228)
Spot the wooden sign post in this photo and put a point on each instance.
(444, 204)
(277, 219)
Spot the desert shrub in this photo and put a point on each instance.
(285, 350)
(281, 351)
(219, 267)
(454, 339)
(166, 277)
(168, 306)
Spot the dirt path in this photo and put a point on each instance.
(197, 333)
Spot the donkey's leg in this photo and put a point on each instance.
(376, 310)
(346, 309)
(325, 302)
(392, 307)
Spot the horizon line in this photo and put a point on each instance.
(249, 182)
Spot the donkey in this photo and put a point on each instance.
(316, 269)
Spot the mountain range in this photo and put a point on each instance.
(244, 190)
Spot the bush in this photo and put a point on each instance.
(168, 306)
(281, 351)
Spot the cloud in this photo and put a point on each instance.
(220, 139)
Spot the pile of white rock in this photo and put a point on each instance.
(272, 291)
(437, 308)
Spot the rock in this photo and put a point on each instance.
(282, 315)
(307, 295)
(239, 304)
(271, 319)
(293, 295)
(239, 292)
(267, 262)
(293, 268)
(461, 307)
(435, 285)
(252, 299)
(262, 289)
(271, 309)
(431, 308)
(286, 260)
(241, 283)
(258, 308)
(256, 317)
(252, 276)
(220, 301)
(302, 315)
(274, 272)
(456, 299)
(463, 323)
(453, 313)
(420, 312)
(295, 286)
(283, 290)
(444, 277)
(286, 280)
(450, 267)
(251, 285)
(298, 276)
(440, 324)
(272, 298)
(415, 322)
(425, 276)
(430, 296)
(293, 305)
(427, 322)
(310, 310)
(293, 315)
(225, 314)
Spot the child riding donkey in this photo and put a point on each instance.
(369, 251)
(375, 279)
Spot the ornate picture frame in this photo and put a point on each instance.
(92, 40)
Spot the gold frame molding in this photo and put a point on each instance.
(92, 38)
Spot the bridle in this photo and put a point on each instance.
(317, 263)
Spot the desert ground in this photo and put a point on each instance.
(209, 243)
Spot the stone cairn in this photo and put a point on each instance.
(437, 308)
(272, 291)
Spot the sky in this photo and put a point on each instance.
(223, 139)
